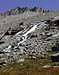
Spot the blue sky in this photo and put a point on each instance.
(47, 4)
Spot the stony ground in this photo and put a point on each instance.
(26, 42)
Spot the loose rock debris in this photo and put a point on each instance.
(35, 41)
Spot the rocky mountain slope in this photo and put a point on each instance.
(30, 34)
